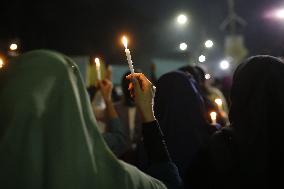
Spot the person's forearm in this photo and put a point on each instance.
(160, 164)
(147, 113)
(110, 110)
(154, 143)
(147, 116)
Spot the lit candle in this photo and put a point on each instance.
(98, 66)
(1, 63)
(213, 116)
(128, 55)
(219, 102)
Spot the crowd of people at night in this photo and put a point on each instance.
(159, 134)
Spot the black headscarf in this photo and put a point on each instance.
(193, 71)
(256, 112)
(179, 109)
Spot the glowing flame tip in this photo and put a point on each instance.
(213, 115)
(97, 60)
(124, 41)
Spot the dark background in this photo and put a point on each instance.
(78, 27)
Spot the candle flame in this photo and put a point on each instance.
(97, 61)
(213, 116)
(124, 41)
(1, 63)
(218, 101)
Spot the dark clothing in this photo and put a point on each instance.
(159, 161)
(216, 163)
(243, 155)
(92, 92)
(179, 109)
(154, 143)
(256, 113)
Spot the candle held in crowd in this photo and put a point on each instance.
(1, 63)
(98, 68)
(219, 103)
(213, 116)
(128, 55)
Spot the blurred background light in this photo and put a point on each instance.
(183, 46)
(224, 64)
(209, 44)
(182, 19)
(207, 76)
(13, 47)
(202, 58)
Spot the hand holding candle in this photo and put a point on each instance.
(128, 55)
(143, 93)
(98, 68)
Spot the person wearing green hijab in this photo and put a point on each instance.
(48, 134)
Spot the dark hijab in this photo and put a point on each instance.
(256, 112)
(179, 108)
(193, 71)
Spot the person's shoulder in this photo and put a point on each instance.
(222, 151)
(228, 130)
(223, 136)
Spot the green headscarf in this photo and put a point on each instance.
(48, 134)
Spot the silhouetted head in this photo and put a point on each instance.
(201, 74)
(192, 71)
(256, 115)
(257, 94)
(179, 108)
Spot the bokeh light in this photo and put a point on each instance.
(182, 19)
(209, 44)
(13, 47)
(207, 76)
(224, 64)
(202, 58)
(279, 14)
(183, 46)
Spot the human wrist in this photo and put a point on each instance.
(111, 112)
(108, 101)
(148, 115)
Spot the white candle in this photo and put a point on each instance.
(98, 68)
(219, 102)
(128, 55)
(213, 116)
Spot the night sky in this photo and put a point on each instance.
(78, 27)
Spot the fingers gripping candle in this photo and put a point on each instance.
(128, 55)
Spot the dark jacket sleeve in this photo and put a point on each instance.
(160, 164)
